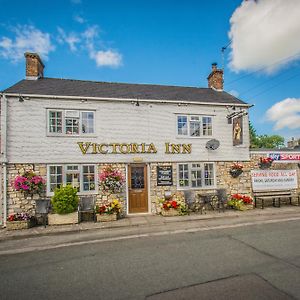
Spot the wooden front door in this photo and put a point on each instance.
(138, 188)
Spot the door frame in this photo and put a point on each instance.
(148, 190)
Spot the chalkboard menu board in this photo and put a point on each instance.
(164, 176)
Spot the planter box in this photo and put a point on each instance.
(170, 212)
(236, 173)
(56, 219)
(249, 206)
(16, 225)
(106, 217)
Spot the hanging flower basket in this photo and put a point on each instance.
(111, 180)
(265, 162)
(29, 183)
(236, 170)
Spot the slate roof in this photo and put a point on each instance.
(68, 87)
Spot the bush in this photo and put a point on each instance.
(65, 200)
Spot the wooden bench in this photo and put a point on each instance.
(276, 196)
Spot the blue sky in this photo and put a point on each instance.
(165, 42)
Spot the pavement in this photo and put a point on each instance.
(156, 222)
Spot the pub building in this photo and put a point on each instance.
(163, 139)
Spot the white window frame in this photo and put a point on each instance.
(189, 117)
(203, 186)
(64, 177)
(63, 112)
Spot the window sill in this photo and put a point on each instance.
(195, 137)
(196, 188)
(72, 135)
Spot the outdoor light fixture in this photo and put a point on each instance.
(137, 103)
(21, 99)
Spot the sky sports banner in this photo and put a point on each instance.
(274, 180)
(285, 157)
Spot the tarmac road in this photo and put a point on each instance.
(258, 261)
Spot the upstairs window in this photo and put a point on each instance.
(71, 122)
(194, 126)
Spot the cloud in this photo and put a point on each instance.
(79, 19)
(103, 58)
(27, 39)
(264, 34)
(109, 58)
(285, 113)
(71, 39)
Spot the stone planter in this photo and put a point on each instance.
(170, 212)
(248, 206)
(236, 172)
(16, 225)
(106, 217)
(66, 219)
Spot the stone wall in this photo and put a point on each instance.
(104, 198)
(18, 201)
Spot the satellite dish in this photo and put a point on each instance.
(212, 144)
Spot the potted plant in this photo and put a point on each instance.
(174, 206)
(265, 162)
(65, 206)
(236, 170)
(20, 221)
(29, 183)
(109, 212)
(111, 180)
(240, 202)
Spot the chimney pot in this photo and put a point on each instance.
(215, 78)
(34, 66)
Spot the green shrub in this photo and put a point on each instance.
(65, 200)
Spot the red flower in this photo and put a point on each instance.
(174, 204)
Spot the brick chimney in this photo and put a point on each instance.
(34, 66)
(215, 78)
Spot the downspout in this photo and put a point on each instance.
(4, 156)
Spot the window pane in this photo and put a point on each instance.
(196, 179)
(182, 125)
(209, 174)
(72, 125)
(207, 125)
(55, 121)
(195, 126)
(183, 175)
(55, 177)
(87, 122)
(88, 175)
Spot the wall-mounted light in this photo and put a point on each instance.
(83, 100)
(21, 99)
(137, 103)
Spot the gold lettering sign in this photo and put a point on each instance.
(131, 148)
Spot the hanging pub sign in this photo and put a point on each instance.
(164, 175)
(237, 131)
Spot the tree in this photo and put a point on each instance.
(264, 141)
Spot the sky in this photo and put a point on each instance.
(168, 42)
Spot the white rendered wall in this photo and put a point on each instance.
(116, 122)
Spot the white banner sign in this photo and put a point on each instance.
(274, 179)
